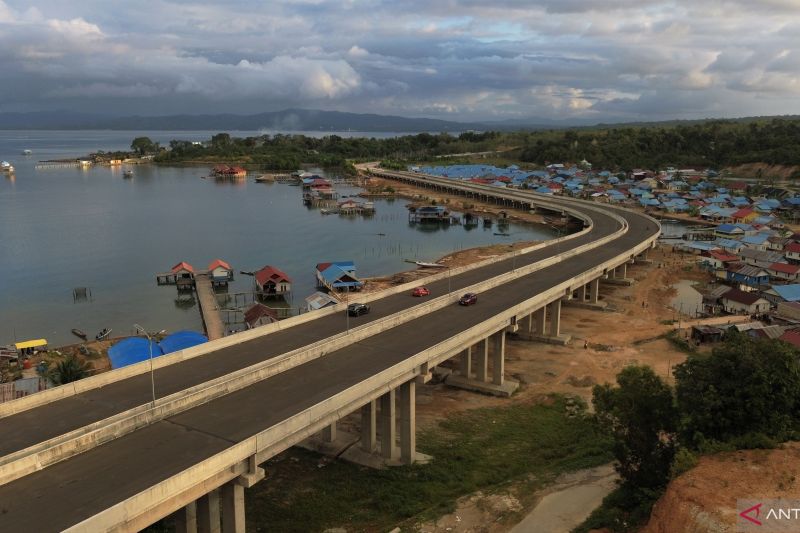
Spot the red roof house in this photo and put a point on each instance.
(183, 270)
(271, 281)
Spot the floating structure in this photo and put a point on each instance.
(27, 152)
(338, 276)
(227, 172)
(181, 275)
(271, 282)
(429, 213)
(259, 315)
(127, 173)
(220, 272)
(7, 167)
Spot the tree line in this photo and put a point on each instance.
(712, 144)
(745, 394)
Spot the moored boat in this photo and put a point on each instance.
(79, 333)
(103, 334)
(127, 174)
(5, 166)
(27, 152)
(423, 264)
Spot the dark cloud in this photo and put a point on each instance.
(459, 59)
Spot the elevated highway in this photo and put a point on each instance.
(100, 455)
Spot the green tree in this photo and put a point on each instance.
(746, 386)
(221, 140)
(640, 413)
(143, 145)
(69, 369)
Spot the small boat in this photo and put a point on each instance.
(264, 178)
(247, 273)
(503, 234)
(423, 264)
(127, 174)
(5, 166)
(27, 152)
(78, 333)
(103, 334)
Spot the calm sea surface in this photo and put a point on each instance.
(66, 227)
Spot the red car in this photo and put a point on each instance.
(468, 299)
(420, 291)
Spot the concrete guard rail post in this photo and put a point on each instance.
(41, 455)
(98, 381)
(171, 494)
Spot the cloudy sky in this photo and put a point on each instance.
(451, 59)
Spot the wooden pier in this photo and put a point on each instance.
(209, 310)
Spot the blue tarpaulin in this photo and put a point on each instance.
(180, 340)
(131, 351)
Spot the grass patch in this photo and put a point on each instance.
(484, 449)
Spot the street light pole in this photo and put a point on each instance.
(150, 349)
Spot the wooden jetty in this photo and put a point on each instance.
(207, 301)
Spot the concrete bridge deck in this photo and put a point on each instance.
(78, 488)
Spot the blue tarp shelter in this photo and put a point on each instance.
(131, 351)
(180, 340)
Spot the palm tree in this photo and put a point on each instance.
(69, 369)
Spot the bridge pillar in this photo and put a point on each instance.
(329, 433)
(208, 513)
(528, 324)
(594, 291)
(387, 426)
(368, 427)
(539, 318)
(498, 357)
(232, 508)
(582, 292)
(186, 519)
(621, 271)
(482, 360)
(465, 364)
(555, 318)
(408, 422)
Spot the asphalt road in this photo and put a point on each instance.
(71, 491)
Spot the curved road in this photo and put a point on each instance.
(68, 492)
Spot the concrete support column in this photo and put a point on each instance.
(387, 427)
(408, 422)
(539, 319)
(582, 293)
(594, 291)
(528, 324)
(498, 357)
(208, 513)
(329, 433)
(465, 365)
(232, 508)
(368, 427)
(482, 360)
(555, 318)
(186, 519)
(621, 271)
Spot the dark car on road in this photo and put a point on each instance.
(357, 309)
(468, 299)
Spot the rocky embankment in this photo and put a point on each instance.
(703, 500)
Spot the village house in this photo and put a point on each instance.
(760, 258)
(783, 271)
(220, 272)
(782, 293)
(338, 276)
(272, 282)
(747, 275)
(717, 259)
(739, 302)
(792, 251)
(790, 310)
(320, 300)
(259, 315)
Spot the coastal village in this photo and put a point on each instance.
(735, 248)
(737, 233)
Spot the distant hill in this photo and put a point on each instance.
(287, 120)
(308, 120)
